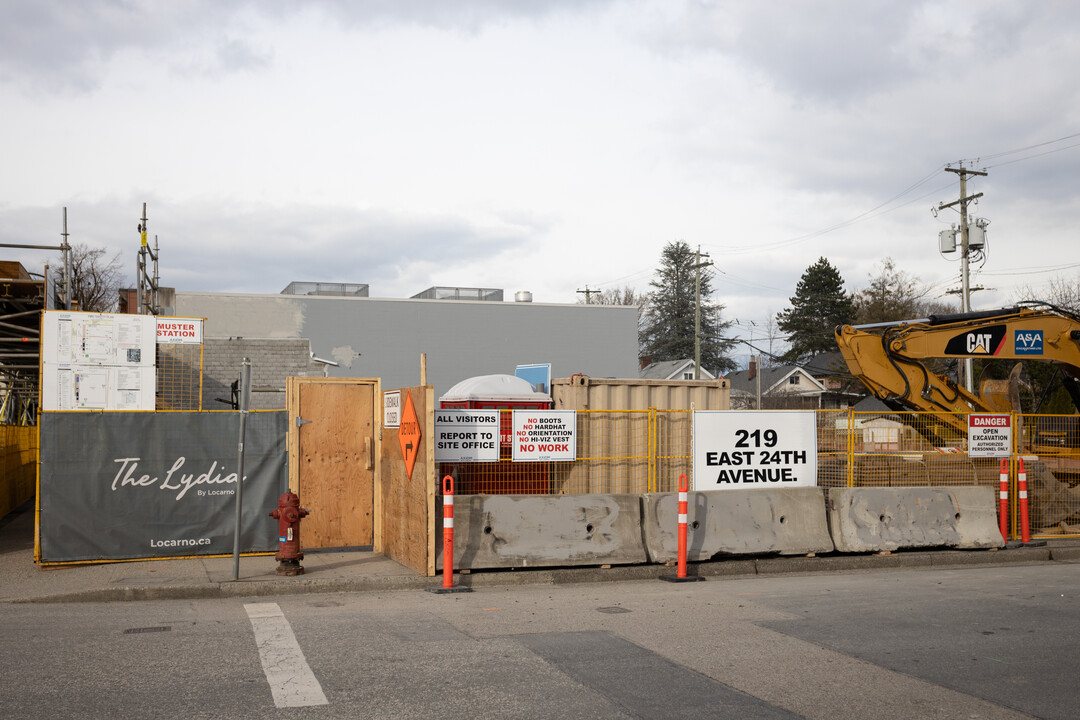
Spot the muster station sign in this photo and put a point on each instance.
(180, 331)
(545, 435)
(466, 436)
(754, 449)
(989, 435)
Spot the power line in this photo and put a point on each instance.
(878, 210)
(1029, 157)
(1034, 270)
(994, 156)
(868, 215)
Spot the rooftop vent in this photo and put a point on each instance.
(460, 293)
(331, 289)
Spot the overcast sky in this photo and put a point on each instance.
(543, 145)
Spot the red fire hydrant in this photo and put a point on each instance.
(288, 515)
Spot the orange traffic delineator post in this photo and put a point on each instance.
(1003, 502)
(448, 541)
(1021, 492)
(683, 501)
(1022, 510)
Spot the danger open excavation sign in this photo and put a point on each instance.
(989, 435)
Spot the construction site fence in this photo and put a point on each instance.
(18, 465)
(639, 451)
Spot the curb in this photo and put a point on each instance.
(730, 567)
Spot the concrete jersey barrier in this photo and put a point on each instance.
(886, 519)
(507, 531)
(788, 521)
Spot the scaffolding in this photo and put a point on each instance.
(22, 299)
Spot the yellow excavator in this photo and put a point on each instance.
(891, 359)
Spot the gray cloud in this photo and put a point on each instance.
(222, 247)
(55, 46)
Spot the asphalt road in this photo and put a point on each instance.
(984, 642)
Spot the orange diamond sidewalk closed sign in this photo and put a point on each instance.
(409, 434)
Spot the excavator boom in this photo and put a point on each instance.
(890, 358)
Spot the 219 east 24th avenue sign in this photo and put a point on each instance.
(754, 449)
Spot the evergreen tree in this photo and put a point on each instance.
(667, 324)
(819, 305)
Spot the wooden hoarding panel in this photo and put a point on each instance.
(408, 503)
(333, 445)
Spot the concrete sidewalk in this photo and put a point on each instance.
(329, 571)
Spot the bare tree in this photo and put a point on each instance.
(892, 295)
(95, 278)
(615, 296)
(1060, 291)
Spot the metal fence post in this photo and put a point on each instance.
(245, 401)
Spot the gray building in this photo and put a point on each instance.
(354, 336)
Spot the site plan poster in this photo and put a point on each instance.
(98, 361)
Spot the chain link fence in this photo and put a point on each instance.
(639, 451)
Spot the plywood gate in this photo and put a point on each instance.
(334, 438)
(408, 503)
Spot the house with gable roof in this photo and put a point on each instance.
(673, 370)
(783, 387)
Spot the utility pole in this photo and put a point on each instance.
(965, 291)
(588, 294)
(698, 264)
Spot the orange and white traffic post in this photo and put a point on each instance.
(448, 532)
(683, 494)
(1022, 494)
(680, 575)
(1003, 501)
(448, 540)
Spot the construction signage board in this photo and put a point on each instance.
(180, 331)
(545, 435)
(392, 409)
(132, 485)
(98, 361)
(466, 436)
(989, 435)
(409, 435)
(754, 449)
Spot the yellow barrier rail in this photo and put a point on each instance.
(18, 465)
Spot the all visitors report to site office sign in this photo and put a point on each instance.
(754, 449)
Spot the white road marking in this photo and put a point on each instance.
(291, 680)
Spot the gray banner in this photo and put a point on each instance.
(123, 485)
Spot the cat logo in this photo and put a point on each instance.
(984, 341)
(979, 343)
